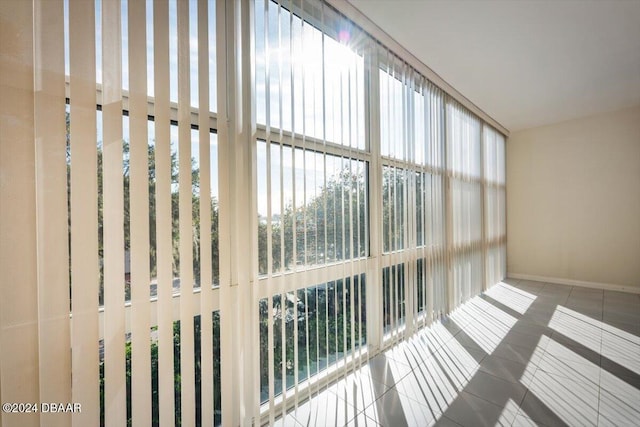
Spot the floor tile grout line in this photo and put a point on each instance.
(450, 420)
(388, 388)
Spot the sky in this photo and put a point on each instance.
(305, 82)
(173, 50)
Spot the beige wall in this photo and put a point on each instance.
(573, 200)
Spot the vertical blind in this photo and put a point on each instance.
(495, 227)
(378, 206)
(413, 197)
(312, 219)
(127, 161)
(465, 181)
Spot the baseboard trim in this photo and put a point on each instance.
(571, 282)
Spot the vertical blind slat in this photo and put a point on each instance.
(84, 212)
(140, 204)
(53, 248)
(115, 407)
(163, 213)
(187, 364)
(19, 245)
(206, 169)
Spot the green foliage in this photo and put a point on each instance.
(329, 228)
(327, 330)
(155, 414)
(152, 191)
(197, 265)
(394, 196)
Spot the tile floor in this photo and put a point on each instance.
(524, 353)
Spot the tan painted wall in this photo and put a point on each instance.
(573, 200)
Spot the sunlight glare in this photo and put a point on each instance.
(618, 401)
(575, 403)
(508, 414)
(578, 327)
(621, 347)
(514, 298)
(486, 324)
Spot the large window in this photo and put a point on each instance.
(312, 192)
(412, 148)
(315, 211)
(219, 219)
(310, 330)
(308, 81)
(147, 159)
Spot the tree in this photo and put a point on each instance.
(175, 217)
(329, 228)
(195, 194)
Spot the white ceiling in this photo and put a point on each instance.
(525, 63)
